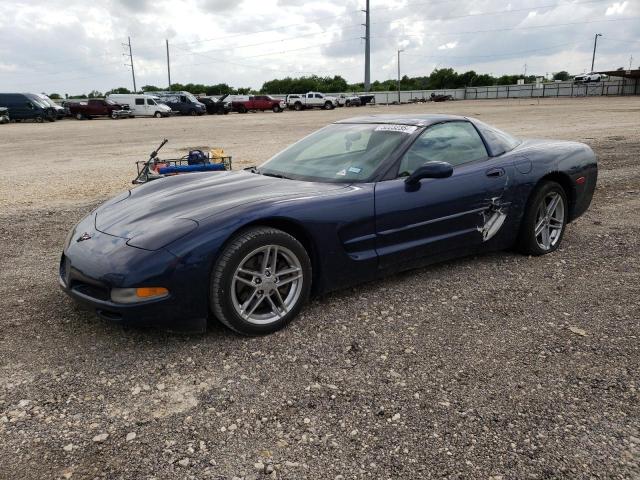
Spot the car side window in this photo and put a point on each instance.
(456, 143)
(139, 101)
(318, 95)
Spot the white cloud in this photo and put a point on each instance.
(616, 9)
(448, 46)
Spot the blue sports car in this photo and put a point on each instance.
(351, 202)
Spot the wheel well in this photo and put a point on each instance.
(565, 182)
(299, 233)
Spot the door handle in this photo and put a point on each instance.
(495, 172)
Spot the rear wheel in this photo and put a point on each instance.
(261, 281)
(79, 116)
(544, 221)
(298, 106)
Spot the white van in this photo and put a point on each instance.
(142, 104)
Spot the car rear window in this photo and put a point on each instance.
(498, 141)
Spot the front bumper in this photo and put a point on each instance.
(90, 269)
(122, 113)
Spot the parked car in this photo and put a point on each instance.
(348, 100)
(588, 78)
(99, 107)
(352, 202)
(258, 102)
(311, 100)
(367, 98)
(216, 105)
(440, 97)
(26, 106)
(58, 109)
(183, 103)
(4, 115)
(141, 104)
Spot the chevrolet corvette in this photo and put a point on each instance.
(355, 201)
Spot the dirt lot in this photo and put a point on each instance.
(475, 368)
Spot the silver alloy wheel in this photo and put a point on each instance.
(267, 284)
(549, 221)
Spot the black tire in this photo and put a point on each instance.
(39, 119)
(79, 116)
(297, 106)
(114, 115)
(276, 109)
(193, 113)
(527, 243)
(328, 105)
(237, 249)
(157, 115)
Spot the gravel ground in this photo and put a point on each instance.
(497, 366)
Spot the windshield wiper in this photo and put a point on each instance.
(275, 175)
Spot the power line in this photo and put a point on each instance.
(259, 44)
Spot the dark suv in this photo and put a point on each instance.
(182, 102)
(26, 106)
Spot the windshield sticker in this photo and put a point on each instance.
(342, 172)
(354, 170)
(396, 128)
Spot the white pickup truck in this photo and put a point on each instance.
(311, 100)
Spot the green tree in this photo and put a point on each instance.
(55, 96)
(561, 75)
(119, 90)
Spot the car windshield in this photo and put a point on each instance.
(110, 102)
(47, 101)
(338, 153)
(191, 97)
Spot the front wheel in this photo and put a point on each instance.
(276, 109)
(79, 116)
(157, 115)
(544, 220)
(328, 105)
(260, 281)
(193, 113)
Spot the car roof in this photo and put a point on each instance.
(416, 120)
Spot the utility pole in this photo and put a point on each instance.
(595, 44)
(399, 75)
(367, 49)
(525, 73)
(168, 65)
(130, 55)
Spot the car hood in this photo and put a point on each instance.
(177, 204)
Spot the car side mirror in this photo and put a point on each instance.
(432, 169)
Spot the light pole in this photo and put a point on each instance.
(595, 44)
(399, 75)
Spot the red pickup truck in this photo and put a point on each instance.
(258, 102)
(98, 107)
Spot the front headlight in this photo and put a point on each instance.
(164, 233)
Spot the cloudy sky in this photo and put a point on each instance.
(74, 46)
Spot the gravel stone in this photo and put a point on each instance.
(492, 384)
